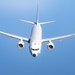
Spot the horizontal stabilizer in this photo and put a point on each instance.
(47, 22)
(27, 21)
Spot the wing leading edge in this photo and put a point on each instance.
(57, 38)
(14, 36)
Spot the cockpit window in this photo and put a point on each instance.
(35, 49)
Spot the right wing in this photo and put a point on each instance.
(57, 38)
(14, 36)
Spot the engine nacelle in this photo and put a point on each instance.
(21, 44)
(50, 45)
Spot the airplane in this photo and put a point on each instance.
(35, 41)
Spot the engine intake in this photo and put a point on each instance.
(21, 44)
(50, 45)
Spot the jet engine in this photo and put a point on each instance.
(50, 45)
(21, 44)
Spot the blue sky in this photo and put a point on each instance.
(59, 61)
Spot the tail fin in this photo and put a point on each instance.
(27, 21)
(47, 22)
(37, 19)
(37, 14)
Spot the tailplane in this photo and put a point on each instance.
(37, 19)
(46, 22)
(27, 21)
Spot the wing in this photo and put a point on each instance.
(14, 36)
(57, 38)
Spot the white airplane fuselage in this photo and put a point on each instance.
(35, 40)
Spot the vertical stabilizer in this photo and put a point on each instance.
(37, 14)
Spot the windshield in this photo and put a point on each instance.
(35, 49)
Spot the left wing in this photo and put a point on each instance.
(57, 38)
(14, 36)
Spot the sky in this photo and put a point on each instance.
(60, 60)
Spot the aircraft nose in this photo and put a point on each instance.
(34, 55)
